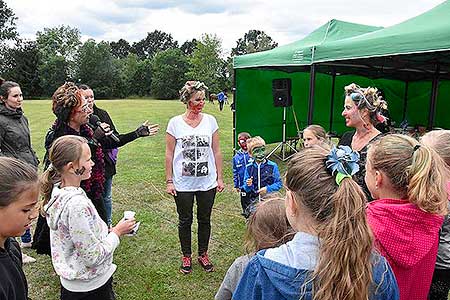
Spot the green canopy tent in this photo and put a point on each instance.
(414, 53)
(253, 75)
(409, 61)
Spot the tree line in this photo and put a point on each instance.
(155, 66)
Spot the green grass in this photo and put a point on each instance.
(148, 263)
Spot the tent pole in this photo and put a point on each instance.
(234, 112)
(405, 100)
(312, 82)
(333, 83)
(434, 94)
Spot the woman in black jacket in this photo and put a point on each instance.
(15, 140)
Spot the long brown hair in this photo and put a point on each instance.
(344, 267)
(65, 149)
(268, 226)
(16, 177)
(416, 171)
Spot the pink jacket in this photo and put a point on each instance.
(408, 238)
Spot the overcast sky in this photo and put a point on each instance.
(284, 20)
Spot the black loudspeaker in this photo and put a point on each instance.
(281, 91)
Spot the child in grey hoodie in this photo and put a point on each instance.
(81, 245)
(267, 227)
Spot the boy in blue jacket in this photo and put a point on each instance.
(240, 160)
(261, 175)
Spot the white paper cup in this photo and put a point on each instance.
(128, 214)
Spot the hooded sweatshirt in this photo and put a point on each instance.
(408, 237)
(82, 249)
(280, 273)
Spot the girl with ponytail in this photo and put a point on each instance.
(81, 245)
(331, 256)
(407, 181)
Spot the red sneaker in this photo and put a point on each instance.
(205, 262)
(186, 265)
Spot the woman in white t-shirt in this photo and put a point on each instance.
(193, 168)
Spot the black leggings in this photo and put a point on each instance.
(185, 203)
(105, 292)
(440, 285)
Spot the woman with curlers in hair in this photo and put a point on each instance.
(363, 110)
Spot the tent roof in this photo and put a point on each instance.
(426, 33)
(299, 53)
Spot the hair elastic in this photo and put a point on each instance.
(416, 147)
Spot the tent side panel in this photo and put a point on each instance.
(442, 106)
(255, 112)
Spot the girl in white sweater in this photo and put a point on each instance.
(81, 245)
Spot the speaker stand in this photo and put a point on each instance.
(283, 145)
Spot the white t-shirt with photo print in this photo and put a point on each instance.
(194, 166)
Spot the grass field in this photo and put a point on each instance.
(148, 263)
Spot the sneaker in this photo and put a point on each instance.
(26, 259)
(205, 262)
(25, 245)
(186, 265)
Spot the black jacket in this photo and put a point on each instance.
(108, 143)
(13, 284)
(15, 138)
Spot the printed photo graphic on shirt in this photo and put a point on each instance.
(195, 152)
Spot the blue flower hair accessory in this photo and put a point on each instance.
(342, 162)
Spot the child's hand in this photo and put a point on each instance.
(249, 181)
(262, 191)
(124, 227)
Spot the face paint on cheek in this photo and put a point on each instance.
(196, 107)
(259, 153)
(243, 144)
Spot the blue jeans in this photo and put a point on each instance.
(107, 198)
(26, 237)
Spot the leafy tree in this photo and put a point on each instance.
(95, 67)
(169, 68)
(142, 78)
(253, 41)
(120, 49)
(24, 70)
(62, 41)
(8, 20)
(206, 64)
(155, 42)
(8, 32)
(52, 74)
(188, 47)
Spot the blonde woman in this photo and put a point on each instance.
(363, 109)
(193, 169)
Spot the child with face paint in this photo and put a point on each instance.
(240, 161)
(261, 175)
(82, 247)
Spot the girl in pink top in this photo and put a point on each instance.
(408, 182)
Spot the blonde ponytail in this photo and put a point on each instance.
(415, 171)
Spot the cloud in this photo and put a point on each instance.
(285, 21)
